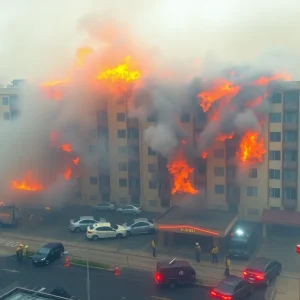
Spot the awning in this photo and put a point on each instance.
(196, 221)
(281, 217)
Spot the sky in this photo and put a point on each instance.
(39, 38)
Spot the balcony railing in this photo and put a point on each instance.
(289, 203)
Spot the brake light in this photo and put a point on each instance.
(245, 273)
(260, 277)
(213, 293)
(223, 297)
(226, 297)
(89, 231)
(157, 277)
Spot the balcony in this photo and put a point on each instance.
(289, 183)
(290, 145)
(290, 126)
(290, 164)
(289, 203)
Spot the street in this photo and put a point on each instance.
(131, 284)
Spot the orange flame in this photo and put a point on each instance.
(120, 72)
(180, 171)
(266, 80)
(27, 184)
(81, 55)
(251, 148)
(66, 148)
(221, 88)
(68, 173)
(204, 155)
(225, 136)
(76, 160)
(256, 101)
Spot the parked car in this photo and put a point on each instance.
(174, 273)
(231, 288)
(262, 270)
(140, 226)
(129, 209)
(61, 292)
(104, 206)
(105, 230)
(48, 254)
(83, 223)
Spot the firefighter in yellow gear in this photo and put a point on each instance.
(25, 252)
(153, 248)
(19, 252)
(214, 252)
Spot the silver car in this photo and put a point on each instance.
(129, 210)
(107, 206)
(140, 226)
(83, 223)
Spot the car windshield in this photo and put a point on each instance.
(227, 288)
(114, 226)
(238, 245)
(44, 251)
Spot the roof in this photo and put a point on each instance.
(102, 224)
(86, 218)
(50, 245)
(231, 280)
(176, 263)
(22, 294)
(259, 263)
(282, 217)
(206, 221)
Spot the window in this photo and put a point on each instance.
(231, 172)
(276, 98)
(290, 155)
(219, 189)
(5, 100)
(290, 117)
(219, 171)
(93, 180)
(274, 192)
(122, 166)
(219, 153)
(134, 166)
(275, 136)
(290, 136)
(290, 175)
(134, 150)
(274, 155)
(153, 202)
(152, 185)
(290, 193)
(121, 133)
(151, 152)
(253, 173)
(103, 132)
(122, 150)
(291, 97)
(133, 133)
(134, 183)
(274, 174)
(151, 168)
(275, 117)
(121, 117)
(251, 191)
(6, 116)
(185, 118)
(123, 182)
(92, 148)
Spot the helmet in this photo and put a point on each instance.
(26, 246)
(197, 244)
(21, 245)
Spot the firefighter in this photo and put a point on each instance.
(227, 266)
(153, 248)
(25, 252)
(198, 253)
(19, 252)
(214, 253)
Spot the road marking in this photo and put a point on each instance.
(12, 271)
(146, 247)
(42, 289)
(8, 243)
(154, 297)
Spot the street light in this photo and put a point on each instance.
(88, 286)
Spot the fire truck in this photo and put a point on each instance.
(9, 215)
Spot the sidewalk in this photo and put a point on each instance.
(286, 289)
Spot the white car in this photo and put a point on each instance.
(107, 206)
(129, 210)
(105, 230)
(140, 226)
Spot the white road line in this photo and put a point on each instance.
(42, 289)
(12, 271)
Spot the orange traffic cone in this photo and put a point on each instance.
(67, 263)
(117, 271)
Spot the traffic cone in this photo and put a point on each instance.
(117, 271)
(67, 263)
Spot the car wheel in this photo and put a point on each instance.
(128, 233)
(95, 237)
(119, 236)
(172, 284)
(151, 231)
(77, 229)
(267, 282)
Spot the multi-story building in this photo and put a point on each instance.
(128, 167)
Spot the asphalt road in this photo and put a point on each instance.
(133, 285)
(55, 225)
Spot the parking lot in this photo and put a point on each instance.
(55, 225)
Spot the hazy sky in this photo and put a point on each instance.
(39, 35)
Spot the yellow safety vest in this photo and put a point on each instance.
(153, 244)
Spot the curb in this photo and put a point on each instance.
(92, 267)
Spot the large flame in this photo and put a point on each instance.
(251, 148)
(180, 172)
(81, 55)
(221, 88)
(120, 72)
(29, 183)
(66, 148)
(266, 80)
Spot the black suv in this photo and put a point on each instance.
(48, 253)
(231, 288)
